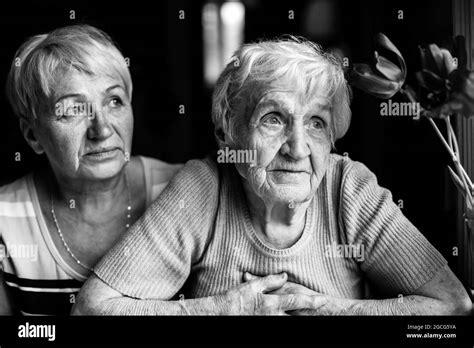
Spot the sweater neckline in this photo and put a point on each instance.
(260, 244)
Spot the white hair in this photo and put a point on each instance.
(44, 59)
(270, 60)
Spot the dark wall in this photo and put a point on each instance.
(166, 66)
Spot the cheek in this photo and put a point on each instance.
(320, 150)
(126, 123)
(266, 150)
(267, 147)
(63, 144)
(122, 122)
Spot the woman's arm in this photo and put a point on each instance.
(252, 298)
(443, 295)
(6, 303)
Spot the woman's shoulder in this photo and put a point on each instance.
(342, 167)
(192, 175)
(14, 195)
(167, 170)
(348, 178)
(17, 209)
(163, 170)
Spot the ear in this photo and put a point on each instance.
(28, 131)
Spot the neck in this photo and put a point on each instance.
(90, 197)
(279, 224)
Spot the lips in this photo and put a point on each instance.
(289, 177)
(103, 152)
(290, 171)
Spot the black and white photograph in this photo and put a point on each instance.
(303, 165)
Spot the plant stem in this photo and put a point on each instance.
(440, 136)
(452, 147)
(448, 128)
(456, 149)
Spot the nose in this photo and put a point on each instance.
(296, 145)
(100, 127)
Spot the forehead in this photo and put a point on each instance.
(78, 82)
(293, 101)
(296, 90)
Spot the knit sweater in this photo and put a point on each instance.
(197, 239)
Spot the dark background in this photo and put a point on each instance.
(167, 71)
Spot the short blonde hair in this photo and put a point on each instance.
(268, 61)
(43, 59)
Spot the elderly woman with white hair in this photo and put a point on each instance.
(298, 230)
(72, 91)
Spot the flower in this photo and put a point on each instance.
(447, 85)
(436, 65)
(383, 78)
(461, 99)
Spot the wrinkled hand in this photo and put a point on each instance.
(319, 304)
(255, 297)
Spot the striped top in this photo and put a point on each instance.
(40, 280)
(197, 239)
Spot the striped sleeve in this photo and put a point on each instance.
(154, 258)
(398, 259)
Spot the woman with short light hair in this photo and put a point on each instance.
(71, 91)
(297, 231)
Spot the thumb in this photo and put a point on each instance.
(271, 282)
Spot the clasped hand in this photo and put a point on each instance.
(273, 295)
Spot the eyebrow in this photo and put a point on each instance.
(268, 103)
(113, 87)
(79, 95)
(282, 105)
(69, 95)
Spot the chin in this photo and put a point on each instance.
(103, 171)
(290, 193)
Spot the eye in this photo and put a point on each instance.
(317, 123)
(115, 102)
(272, 119)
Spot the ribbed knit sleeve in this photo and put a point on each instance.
(154, 258)
(397, 257)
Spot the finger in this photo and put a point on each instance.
(249, 276)
(280, 291)
(270, 282)
(302, 312)
(295, 301)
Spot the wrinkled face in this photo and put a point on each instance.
(291, 134)
(88, 133)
